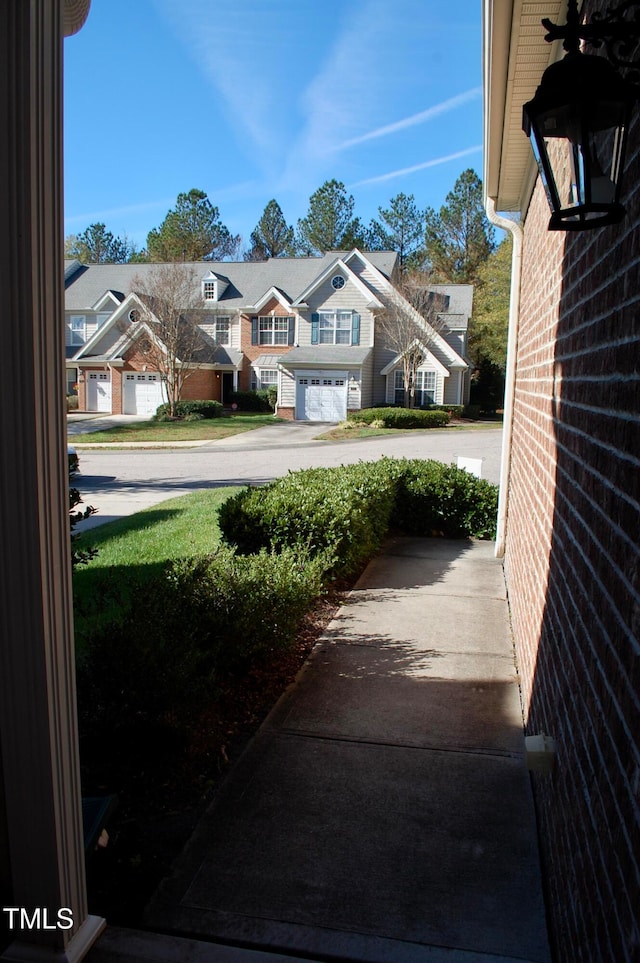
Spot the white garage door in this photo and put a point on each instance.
(321, 398)
(99, 391)
(142, 393)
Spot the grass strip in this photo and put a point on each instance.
(135, 548)
(209, 429)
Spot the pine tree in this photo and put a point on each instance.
(272, 236)
(400, 228)
(97, 245)
(192, 231)
(329, 224)
(459, 239)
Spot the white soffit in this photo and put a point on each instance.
(515, 57)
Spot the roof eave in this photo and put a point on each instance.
(515, 55)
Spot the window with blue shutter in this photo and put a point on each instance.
(355, 329)
(254, 331)
(315, 323)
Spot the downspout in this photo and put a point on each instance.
(510, 373)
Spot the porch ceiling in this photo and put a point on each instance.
(515, 56)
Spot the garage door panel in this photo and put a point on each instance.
(321, 398)
(142, 393)
(99, 391)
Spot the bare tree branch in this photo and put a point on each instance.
(167, 333)
(407, 324)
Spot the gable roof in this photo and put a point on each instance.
(437, 363)
(339, 266)
(248, 280)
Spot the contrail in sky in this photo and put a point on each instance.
(415, 119)
(417, 167)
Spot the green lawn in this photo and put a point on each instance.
(352, 431)
(139, 545)
(209, 429)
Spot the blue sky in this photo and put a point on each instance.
(253, 99)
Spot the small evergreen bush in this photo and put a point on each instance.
(206, 409)
(402, 417)
(253, 400)
(347, 511)
(192, 621)
(437, 499)
(456, 411)
(343, 511)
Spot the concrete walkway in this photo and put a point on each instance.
(383, 812)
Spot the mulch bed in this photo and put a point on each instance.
(164, 778)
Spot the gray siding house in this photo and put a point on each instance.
(311, 326)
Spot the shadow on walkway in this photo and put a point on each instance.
(383, 811)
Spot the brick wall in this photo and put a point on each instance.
(253, 351)
(572, 563)
(203, 385)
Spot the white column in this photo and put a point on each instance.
(40, 783)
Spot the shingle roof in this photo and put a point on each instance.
(248, 280)
(325, 354)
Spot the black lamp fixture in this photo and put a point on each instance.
(578, 120)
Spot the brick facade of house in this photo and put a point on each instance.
(572, 564)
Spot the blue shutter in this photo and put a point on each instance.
(315, 324)
(254, 331)
(355, 329)
(292, 331)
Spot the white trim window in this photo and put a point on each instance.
(78, 325)
(264, 378)
(334, 327)
(222, 330)
(426, 387)
(273, 330)
(210, 290)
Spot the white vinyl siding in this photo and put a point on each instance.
(349, 298)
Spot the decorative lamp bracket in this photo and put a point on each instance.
(617, 29)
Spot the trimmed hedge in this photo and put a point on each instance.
(262, 400)
(456, 411)
(174, 633)
(343, 511)
(401, 417)
(193, 621)
(346, 512)
(436, 499)
(206, 409)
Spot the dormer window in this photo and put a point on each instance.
(213, 287)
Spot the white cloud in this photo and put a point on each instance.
(421, 118)
(418, 167)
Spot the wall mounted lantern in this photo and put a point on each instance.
(578, 120)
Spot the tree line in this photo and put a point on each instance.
(451, 242)
(455, 244)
